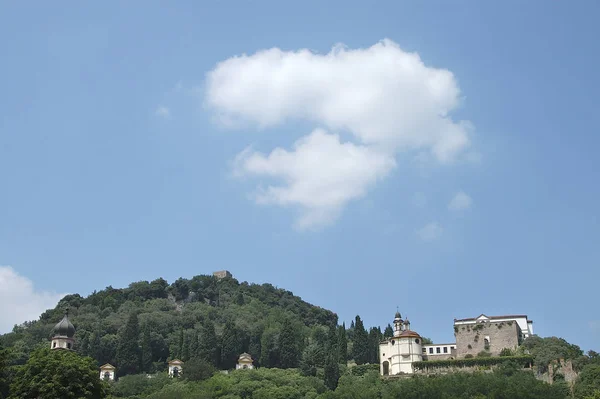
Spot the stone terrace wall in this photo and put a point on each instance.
(470, 339)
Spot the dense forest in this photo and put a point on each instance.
(300, 350)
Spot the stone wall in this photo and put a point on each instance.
(559, 369)
(471, 339)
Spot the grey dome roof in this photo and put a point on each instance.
(64, 328)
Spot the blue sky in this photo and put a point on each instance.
(131, 149)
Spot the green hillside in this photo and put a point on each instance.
(177, 321)
(208, 322)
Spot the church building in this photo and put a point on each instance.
(398, 353)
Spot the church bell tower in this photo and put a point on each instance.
(63, 333)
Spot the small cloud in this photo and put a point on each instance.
(430, 231)
(460, 202)
(163, 112)
(419, 200)
(20, 301)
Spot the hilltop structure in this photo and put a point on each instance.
(483, 334)
(222, 274)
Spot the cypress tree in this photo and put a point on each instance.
(193, 345)
(360, 349)
(146, 362)
(208, 346)
(289, 353)
(331, 372)
(230, 346)
(128, 351)
(374, 339)
(185, 350)
(180, 344)
(332, 343)
(342, 344)
(388, 332)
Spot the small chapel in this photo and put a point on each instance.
(398, 353)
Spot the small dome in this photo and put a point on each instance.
(64, 328)
(397, 316)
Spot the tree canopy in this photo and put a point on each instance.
(57, 374)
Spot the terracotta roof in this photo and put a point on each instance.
(409, 333)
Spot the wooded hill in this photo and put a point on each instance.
(208, 322)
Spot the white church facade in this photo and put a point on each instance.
(398, 353)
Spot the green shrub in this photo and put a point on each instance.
(471, 362)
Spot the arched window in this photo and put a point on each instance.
(106, 376)
(68, 345)
(175, 372)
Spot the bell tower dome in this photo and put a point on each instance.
(63, 333)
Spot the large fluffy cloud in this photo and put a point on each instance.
(386, 98)
(20, 301)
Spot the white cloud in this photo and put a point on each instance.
(460, 202)
(163, 112)
(419, 200)
(430, 231)
(320, 175)
(20, 301)
(387, 99)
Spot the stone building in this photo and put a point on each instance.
(63, 333)
(487, 336)
(397, 354)
(222, 274)
(523, 321)
(244, 362)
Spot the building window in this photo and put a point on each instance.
(68, 345)
(393, 342)
(424, 350)
(445, 349)
(437, 350)
(417, 341)
(54, 344)
(451, 347)
(431, 350)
